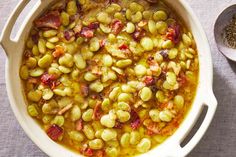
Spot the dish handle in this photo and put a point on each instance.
(211, 103)
(7, 43)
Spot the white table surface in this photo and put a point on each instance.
(220, 139)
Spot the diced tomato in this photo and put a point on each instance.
(54, 132)
(87, 152)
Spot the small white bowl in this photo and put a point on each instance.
(171, 147)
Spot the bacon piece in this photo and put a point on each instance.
(117, 26)
(27, 53)
(94, 25)
(79, 125)
(49, 80)
(173, 33)
(66, 108)
(87, 152)
(77, 29)
(142, 23)
(33, 80)
(68, 34)
(97, 112)
(59, 50)
(84, 89)
(138, 34)
(102, 43)
(182, 80)
(118, 125)
(87, 32)
(135, 120)
(164, 54)
(149, 80)
(54, 132)
(49, 20)
(113, 1)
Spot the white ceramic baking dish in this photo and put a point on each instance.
(171, 147)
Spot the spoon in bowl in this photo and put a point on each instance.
(222, 22)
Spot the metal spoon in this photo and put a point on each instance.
(222, 21)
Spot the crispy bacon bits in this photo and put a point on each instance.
(117, 26)
(87, 32)
(123, 47)
(68, 34)
(135, 120)
(138, 34)
(173, 33)
(97, 111)
(94, 25)
(49, 20)
(149, 80)
(49, 80)
(84, 89)
(54, 132)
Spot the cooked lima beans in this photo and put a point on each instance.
(109, 79)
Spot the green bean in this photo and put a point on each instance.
(128, 14)
(179, 101)
(152, 26)
(161, 27)
(59, 92)
(154, 115)
(34, 96)
(130, 28)
(124, 140)
(123, 106)
(89, 132)
(140, 70)
(147, 43)
(114, 93)
(124, 97)
(32, 110)
(76, 136)
(187, 40)
(58, 120)
(171, 78)
(107, 60)
(123, 116)
(96, 144)
(30, 43)
(144, 145)
(98, 133)
(123, 63)
(65, 18)
(71, 7)
(107, 121)
(168, 44)
(75, 113)
(160, 16)
(87, 115)
(135, 7)
(147, 14)
(137, 17)
(173, 53)
(105, 29)
(106, 104)
(145, 94)
(111, 152)
(47, 94)
(79, 61)
(64, 69)
(165, 116)
(42, 46)
(50, 107)
(24, 72)
(88, 76)
(66, 60)
(45, 61)
(134, 137)
(31, 62)
(103, 17)
(49, 33)
(109, 134)
(35, 50)
(53, 39)
(47, 119)
(96, 87)
(160, 96)
(94, 44)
